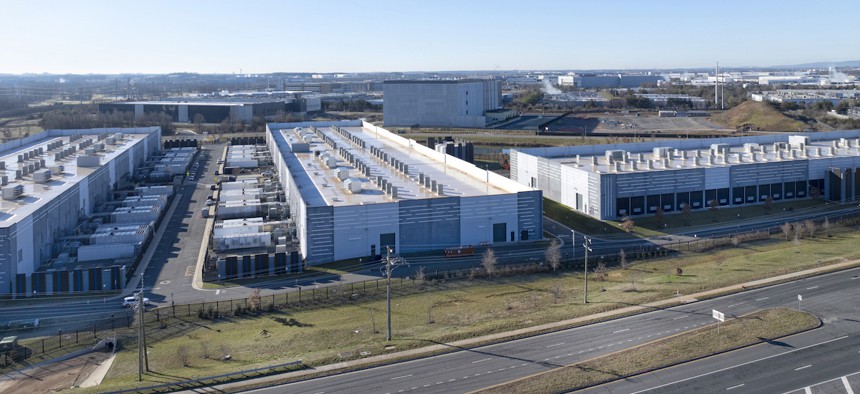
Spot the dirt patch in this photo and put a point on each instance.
(53, 377)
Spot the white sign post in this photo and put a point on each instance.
(720, 318)
(799, 298)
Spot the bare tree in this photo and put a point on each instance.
(489, 261)
(553, 254)
(204, 349)
(687, 211)
(183, 355)
(628, 224)
(622, 259)
(198, 121)
(799, 229)
(826, 226)
(786, 229)
(555, 290)
(600, 271)
(810, 227)
(420, 275)
(255, 301)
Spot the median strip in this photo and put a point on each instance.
(688, 346)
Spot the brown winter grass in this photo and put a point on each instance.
(454, 309)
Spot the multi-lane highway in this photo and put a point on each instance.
(833, 297)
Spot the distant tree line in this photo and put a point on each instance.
(88, 117)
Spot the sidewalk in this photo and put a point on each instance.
(530, 331)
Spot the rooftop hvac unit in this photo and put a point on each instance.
(661, 152)
(12, 192)
(615, 155)
(4, 180)
(37, 165)
(42, 176)
(440, 190)
(19, 174)
(40, 150)
(2, 165)
(20, 158)
(89, 151)
(719, 149)
(342, 173)
(25, 170)
(331, 162)
(110, 141)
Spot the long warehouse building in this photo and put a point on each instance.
(52, 179)
(355, 189)
(614, 181)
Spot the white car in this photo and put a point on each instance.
(130, 302)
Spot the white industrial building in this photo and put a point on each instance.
(613, 181)
(440, 103)
(354, 189)
(37, 211)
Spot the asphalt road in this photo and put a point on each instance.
(779, 366)
(833, 297)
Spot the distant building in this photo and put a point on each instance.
(806, 97)
(609, 81)
(216, 109)
(440, 103)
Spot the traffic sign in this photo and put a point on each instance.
(718, 315)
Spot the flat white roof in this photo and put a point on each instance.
(37, 195)
(321, 186)
(638, 161)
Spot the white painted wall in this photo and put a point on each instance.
(356, 227)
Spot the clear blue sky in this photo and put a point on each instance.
(155, 36)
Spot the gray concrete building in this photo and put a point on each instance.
(613, 181)
(440, 103)
(49, 182)
(355, 189)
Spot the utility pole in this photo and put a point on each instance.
(142, 357)
(586, 244)
(388, 288)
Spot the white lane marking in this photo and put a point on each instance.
(812, 288)
(807, 390)
(217, 291)
(451, 380)
(856, 277)
(734, 387)
(762, 299)
(401, 377)
(481, 360)
(679, 317)
(740, 365)
(803, 367)
(616, 332)
(847, 386)
(556, 344)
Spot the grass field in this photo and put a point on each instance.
(452, 310)
(744, 331)
(761, 116)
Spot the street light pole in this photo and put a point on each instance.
(388, 289)
(585, 245)
(572, 244)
